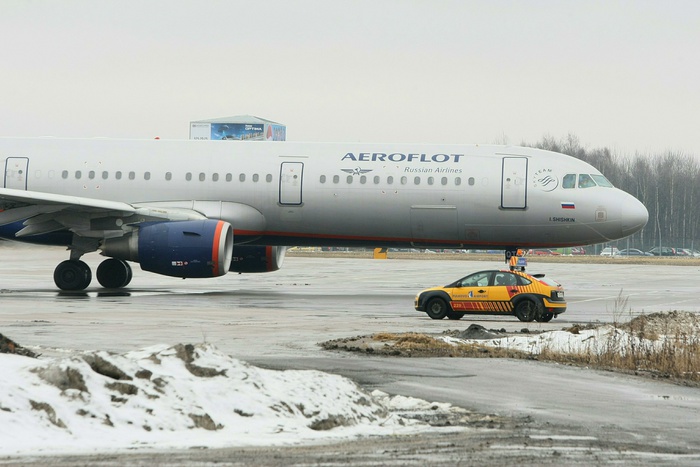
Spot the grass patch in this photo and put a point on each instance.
(661, 345)
(665, 345)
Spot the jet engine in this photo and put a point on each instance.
(187, 249)
(252, 258)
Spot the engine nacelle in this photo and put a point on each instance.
(188, 249)
(252, 258)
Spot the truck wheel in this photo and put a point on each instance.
(545, 317)
(436, 308)
(526, 310)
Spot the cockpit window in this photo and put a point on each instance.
(569, 181)
(585, 181)
(602, 181)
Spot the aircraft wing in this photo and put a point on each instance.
(87, 217)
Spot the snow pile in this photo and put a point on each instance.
(595, 341)
(181, 396)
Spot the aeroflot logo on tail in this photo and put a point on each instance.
(399, 157)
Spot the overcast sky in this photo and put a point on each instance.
(621, 74)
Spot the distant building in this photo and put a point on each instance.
(238, 128)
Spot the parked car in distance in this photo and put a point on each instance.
(663, 251)
(610, 251)
(542, 252)
(633, 252)
(578, 250)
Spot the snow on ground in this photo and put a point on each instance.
(180, 397)
(596, 341)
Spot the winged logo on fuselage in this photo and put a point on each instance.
(356, 171)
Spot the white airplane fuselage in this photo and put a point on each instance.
(317, 194)
(340, 194)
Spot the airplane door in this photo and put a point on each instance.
(514, 183)
(291, 178)
(16, 172)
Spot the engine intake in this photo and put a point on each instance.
(188, 249)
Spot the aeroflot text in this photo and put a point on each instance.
(398, 157)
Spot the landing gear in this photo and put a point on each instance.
(114, 273)
(72, 275)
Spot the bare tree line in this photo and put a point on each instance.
(667, 184)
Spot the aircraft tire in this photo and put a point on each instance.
(114, 273)
(526, 310)
(436, 308)
(72, 275)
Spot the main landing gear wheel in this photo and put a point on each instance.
(114, 273)
(436, 308)
(72, 275)
(526, 310)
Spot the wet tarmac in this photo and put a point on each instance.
(277, 319)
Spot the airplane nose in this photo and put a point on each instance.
(634, 216)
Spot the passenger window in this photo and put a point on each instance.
(336, 179)
(118, 175)
(505, 278)
(256, 177)
(349, 179)
(91, 174)
(188, 176)
(376, 179)
(215, 177)
(363, 179)
(64, 174)
(168, 176)
(471, 181)
(78, 174)
(132, 175)
(202, 177)
(404, 180)
(569, 181)
(229, 177)
(241, 178)
(500, 279)
(585, 181)
(147, 176)
(443, 180)
(323, 179)
(268, 178)
(480, 279)
(390, 180)
(105, 175)
(431, 180)
(458, 181)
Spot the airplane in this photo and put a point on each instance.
(194, 209)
